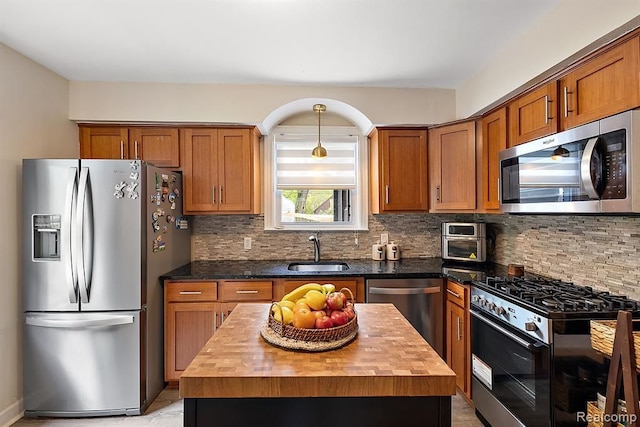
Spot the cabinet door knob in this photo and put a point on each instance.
(386, 194)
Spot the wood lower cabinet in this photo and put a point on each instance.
(602, 86)
(452, 167)
(458, 341)
(494, 139)
(533, 115)
(189, 322)
(355, 285)
(221, 170)
(398, 170)
(194, 310)
(157, 145)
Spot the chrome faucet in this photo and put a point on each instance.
(316, 247)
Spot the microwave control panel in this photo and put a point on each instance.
(615, 165)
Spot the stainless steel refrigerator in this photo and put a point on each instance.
(97, 235)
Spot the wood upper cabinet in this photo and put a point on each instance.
(221, 170)
(458, 341)
(104, 142)
(494, 139)
(534, 115)
(398, 170)
(157, 145)
(602, 86)
(452, 167)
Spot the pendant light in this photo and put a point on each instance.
(319, 151)
(559, 153)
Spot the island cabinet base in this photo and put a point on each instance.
(403, 411)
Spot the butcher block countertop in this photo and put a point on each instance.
(387, 358)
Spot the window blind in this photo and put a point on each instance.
(295, 168)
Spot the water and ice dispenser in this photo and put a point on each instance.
(46, 237)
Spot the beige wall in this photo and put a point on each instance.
(34, 123)
(568, 28)
(248, 104)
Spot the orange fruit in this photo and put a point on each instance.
(300, 304)
(304, 319)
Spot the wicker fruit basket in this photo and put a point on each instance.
(290, 337)
(603, 333)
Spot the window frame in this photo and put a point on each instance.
(359, 195)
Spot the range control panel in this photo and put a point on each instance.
(526, 321)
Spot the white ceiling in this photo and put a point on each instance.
(373, 43)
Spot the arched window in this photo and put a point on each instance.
(307, 193)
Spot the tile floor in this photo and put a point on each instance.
(166, 411)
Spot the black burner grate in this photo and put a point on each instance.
(555, 295)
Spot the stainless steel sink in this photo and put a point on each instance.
(318, 266)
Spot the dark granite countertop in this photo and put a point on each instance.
(369, 269)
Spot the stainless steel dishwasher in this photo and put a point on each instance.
(420, 300)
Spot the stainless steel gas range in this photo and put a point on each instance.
(532, 361)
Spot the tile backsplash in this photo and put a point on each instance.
(598, 251)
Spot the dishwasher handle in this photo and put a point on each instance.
(404, 291)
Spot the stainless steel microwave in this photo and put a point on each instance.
(588, 169)
(464, 241)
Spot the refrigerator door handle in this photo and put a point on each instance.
(68, 234)
(90, 323)
(84, 243)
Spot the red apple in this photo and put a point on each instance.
(324, 322)
(319, 313)
(336, 300)
(350, 311)
(339, 317)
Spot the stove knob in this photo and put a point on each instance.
(530, 326)
(500, 310)
(492, 306)
(475, 298)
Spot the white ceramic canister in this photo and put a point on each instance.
(378, 252)
(393, 252)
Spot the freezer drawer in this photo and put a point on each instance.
(420, 300)
(82, 364)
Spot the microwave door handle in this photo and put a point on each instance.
(510, 335)
(585, 168)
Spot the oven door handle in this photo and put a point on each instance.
(511, 335)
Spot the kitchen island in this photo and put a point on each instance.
(389, 375)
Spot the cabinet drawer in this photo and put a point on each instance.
(247, 291)
(456, 293)
(191, 291)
